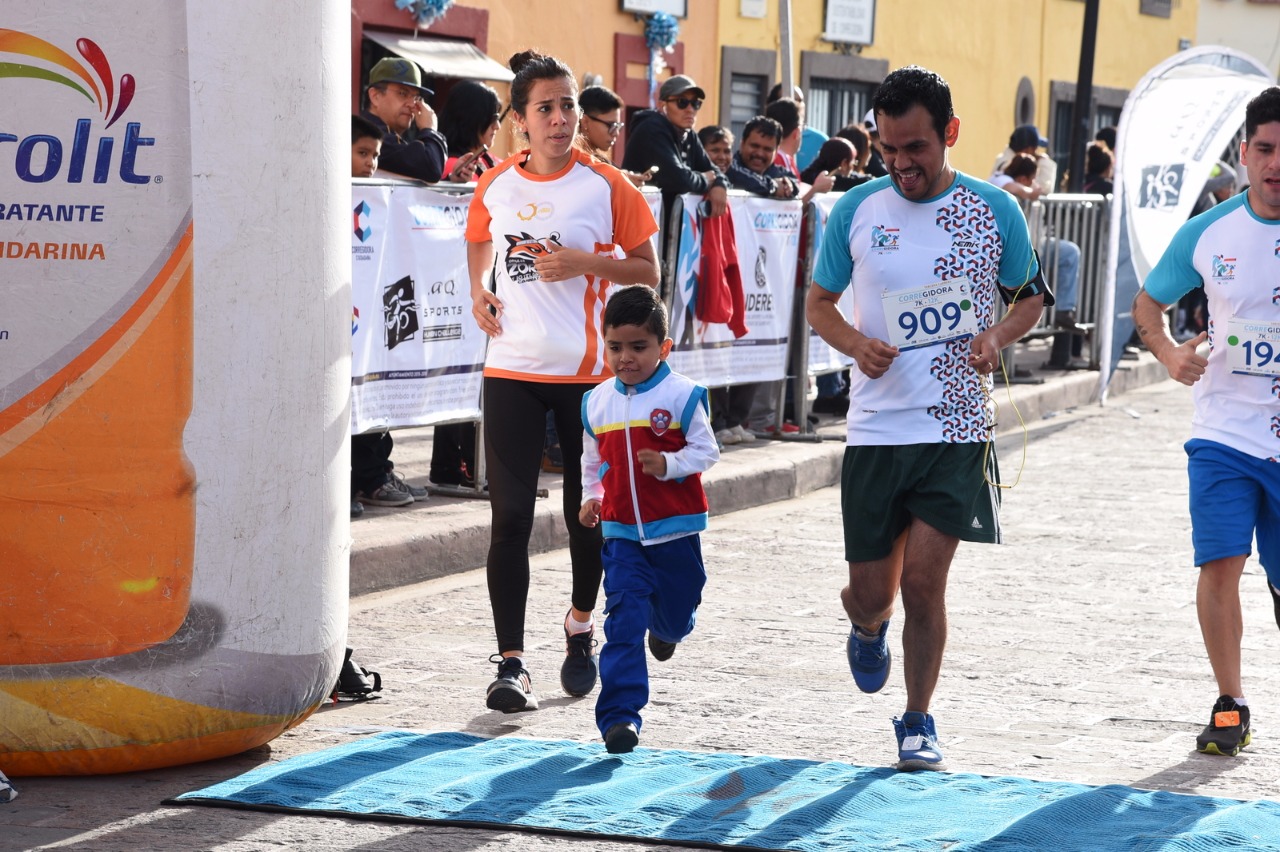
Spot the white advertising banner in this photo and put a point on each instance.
(1177, 122)
(767, 233)
(822, 358)
(416, 354)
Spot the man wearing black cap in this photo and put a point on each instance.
(664, 138)
(1026, 139)
(397, 100)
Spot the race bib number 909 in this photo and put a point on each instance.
(935, 313)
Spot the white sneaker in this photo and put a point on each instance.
(728, 436)
(744, 436)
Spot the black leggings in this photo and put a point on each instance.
(514, 431)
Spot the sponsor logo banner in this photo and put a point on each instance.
(416, 353)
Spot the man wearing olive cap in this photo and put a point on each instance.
(397, 100)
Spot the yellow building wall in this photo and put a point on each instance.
(581, 34)
(983, 48)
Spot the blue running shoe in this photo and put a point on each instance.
(869, 658)
(917, 742)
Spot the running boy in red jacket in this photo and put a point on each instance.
(648, 438)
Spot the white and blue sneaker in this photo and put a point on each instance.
(917, 742)
(869, 657)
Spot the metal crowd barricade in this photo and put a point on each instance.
(477, 473)
(772, 331)
(1084, 219)
(801, 337)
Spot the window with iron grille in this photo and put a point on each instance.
(746, 100)
(832, 103)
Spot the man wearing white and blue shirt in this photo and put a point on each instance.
(923, 253)
(1233, 249)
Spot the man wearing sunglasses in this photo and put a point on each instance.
(397, 101)
(664, 138)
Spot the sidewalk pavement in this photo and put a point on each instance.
(394, 547)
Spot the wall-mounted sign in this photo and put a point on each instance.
(678, 8)
(850, 21)
(753, 8)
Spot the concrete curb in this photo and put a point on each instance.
(444, 536)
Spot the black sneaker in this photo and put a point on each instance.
(660, 648)
(513, 690)
(579, 672)
(1228, 729)
(621, 738)
(1275, 599)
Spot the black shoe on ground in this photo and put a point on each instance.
(512, 691)
(621, 738)
(1275, 599)
(355, 682)
(831, 404)
(1228, 729)
(357, 509)
(579, 672)
(661, 649)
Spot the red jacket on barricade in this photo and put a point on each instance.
(720, 295)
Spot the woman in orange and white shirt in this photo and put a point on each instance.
(556, 230)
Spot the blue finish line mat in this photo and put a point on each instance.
(728, 801)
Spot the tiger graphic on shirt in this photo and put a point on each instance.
(523, 251)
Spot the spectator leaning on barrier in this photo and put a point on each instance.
(373, 477)
(664, 138)
(397, 101)
(718, 143)
(839, 158)
(600, 125)
(790, 116)
(548, 223)
(920, 471)
(469, 122)
(1027, 140)
(1061, 257)
(1099, 166)
(753, 168)
(811, 138)
(1233, 452)
(858, 136)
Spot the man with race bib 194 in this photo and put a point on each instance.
(923, 254)
(1234, 251)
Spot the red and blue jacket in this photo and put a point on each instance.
(667, 412)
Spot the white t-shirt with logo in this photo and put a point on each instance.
(971, 230)
(1236, 255)
(552, 332)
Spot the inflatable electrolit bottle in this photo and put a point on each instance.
(174, 378)
(97, 516)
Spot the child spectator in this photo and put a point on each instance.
(647, 440)
(366, 147)
(718, 143)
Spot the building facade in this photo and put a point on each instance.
(1009, 62)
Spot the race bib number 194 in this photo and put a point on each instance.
(935, 313)
(1253, 347)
